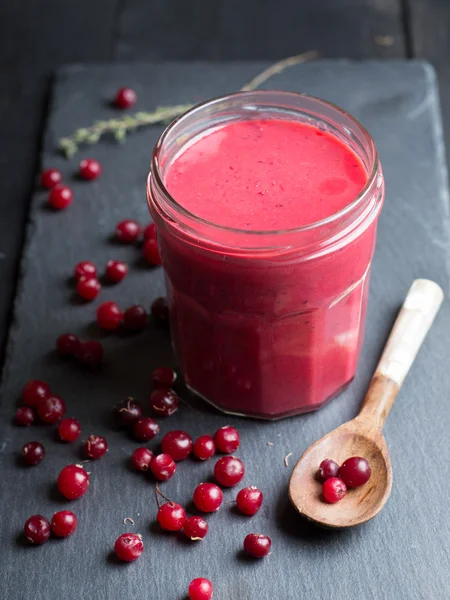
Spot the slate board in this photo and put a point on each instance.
(403, 553)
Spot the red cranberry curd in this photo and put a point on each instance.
(266, 206)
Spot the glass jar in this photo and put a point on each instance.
(266, 323)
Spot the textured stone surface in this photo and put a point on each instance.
(403, 553)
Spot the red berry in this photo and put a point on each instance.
(204, 447)
(178, 444)
(328, 468)
(90, 169)
(73, 482)
(34, 391)
(33, 453)
(145, 429)
(229, 471)
(64, 523)
(37, 529)
(67, 344)
(125, 97)
(135, 318)
(109, 316)
(257, 545)
(51, 409)
(95, 447)
(90, 353)
(69, 430)
(171, 516)
(88, 288)
(163, 377)
(160, 311)
(150, 232)
(249, 500)
(50, 178)
(200, 589)
(128, 231)
(129, 547)
(25, 416)
(60, 197)
(150, 252)
(141, 459)
(116, 270)
(355, 471)
(227, 439)
(164, 402)
(163, 467)
(208, 497)
(333, 490)
(195, 528)
(127, 412)
(85, 268)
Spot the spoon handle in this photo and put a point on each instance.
(416, 316)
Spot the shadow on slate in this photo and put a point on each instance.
(398, 555)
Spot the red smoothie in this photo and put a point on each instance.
(267, 304)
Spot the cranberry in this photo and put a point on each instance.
(163, 467)
(204, 447)
(163, 377)
(95, 447)
(229, 471)
(355, 471)
(85, 268)
(127, 412)
(328, 468)
(51, 409)
(125, 97)
(249, 500)
(90, 353)
(145, 429)
(33, 453)
(50, 178)
(25, 416)
(160, 310)
(150, 252)
(171, 516)
(150, 232)
(69, 430)
(141, 459)
(60, 197)
(88, 288)
(178, 444)
(135, 318)
(208, 497)
(200, 589)
(195, 528)
(116, 270)
(67, 344)
(64, 523)
(34, 391)
(73, 482)
(333, 490)
(37, 529)
(109, 316)
(129, 547)
(227, 439)
(128, 231)
(90, 169)
(164, 402)
(257, 545)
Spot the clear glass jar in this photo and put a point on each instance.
(267, 323)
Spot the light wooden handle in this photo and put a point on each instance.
(416, 316)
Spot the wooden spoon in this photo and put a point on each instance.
(362, 436)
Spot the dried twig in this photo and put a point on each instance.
(286, 459)
(277, 68)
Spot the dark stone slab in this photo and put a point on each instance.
(402, 553)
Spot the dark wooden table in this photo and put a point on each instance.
(36, 37)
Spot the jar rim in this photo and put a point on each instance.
(155, 170)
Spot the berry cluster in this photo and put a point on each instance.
(353, 473)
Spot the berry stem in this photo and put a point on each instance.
(159, 493)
